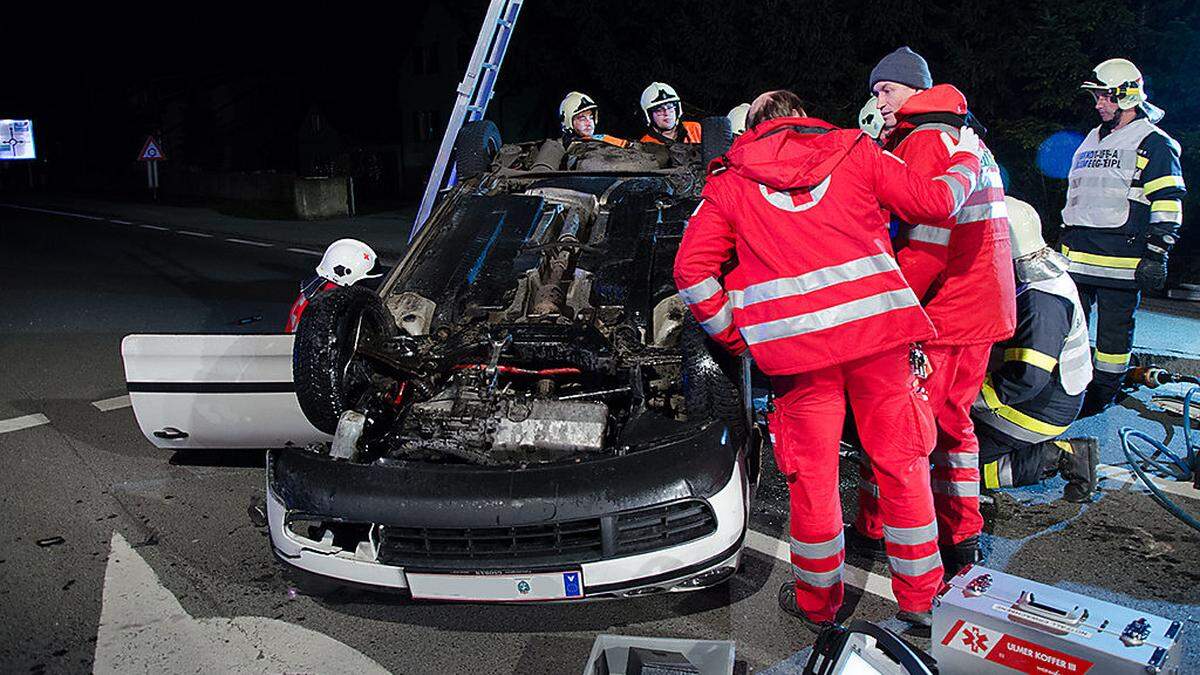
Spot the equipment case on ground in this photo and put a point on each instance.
(991, 622)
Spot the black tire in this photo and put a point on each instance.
(711, 378)
(716, 137)
(328, 377)
(476, 147)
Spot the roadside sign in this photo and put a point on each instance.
(16, 139)
(150, 151)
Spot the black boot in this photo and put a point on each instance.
(787, 602)
(863, 546)
(921, 622)
(958, 556)
(1077, 466)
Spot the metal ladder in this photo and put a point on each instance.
(471, 98)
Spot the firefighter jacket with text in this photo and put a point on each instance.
(798, 203)
(1125, 192)
(1037, 377)
(960, 267)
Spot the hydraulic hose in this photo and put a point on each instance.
(1182, 469)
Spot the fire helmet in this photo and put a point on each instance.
(737, 118)
(659, 93)
(348, 261)
(574, 103)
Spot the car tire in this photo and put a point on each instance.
(710, 378)
(476, 147)
(716, 137)
(328, 377)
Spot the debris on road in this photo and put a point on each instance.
(51, 541)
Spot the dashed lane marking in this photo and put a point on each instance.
(23, 422)
(160, 228)
(191, 233)
(1124, 475)
(875, 584)
(115, 403)
(248, 242)
(305, 251)
(119, 222)
(57, 213)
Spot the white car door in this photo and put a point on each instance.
(215, 391)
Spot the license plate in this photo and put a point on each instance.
(497, 587)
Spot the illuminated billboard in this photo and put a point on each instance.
(16, 139)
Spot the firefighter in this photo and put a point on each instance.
(737, 119)
(961, 268)
(578, 115)
(663, 111)
(345, 263)
(1037, 387)
(1122, 216)
(824, 321)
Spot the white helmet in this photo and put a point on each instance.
(348, 261)
(1121, 79)
(737, 118)
(657, 94)
(870, 120)
(1032, 259)
(573, 104)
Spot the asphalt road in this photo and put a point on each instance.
(108, 543)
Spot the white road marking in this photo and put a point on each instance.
(119, 222)
(57, 213)
(143, 628)
(160, 228)
(1125, 475)
(23, 422)
(873, 583)
(248, 242)
(305, 251)
(115, 403)
(195, 234)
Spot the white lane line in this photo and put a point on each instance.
(115, 403)
(119, 222)
(57, 213)
(23, 422)
(248, 242)
(160, 228)
(873, 583)
(1124, 475)
(304, 251)
(195, 234)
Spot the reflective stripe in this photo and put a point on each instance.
(815, 280)
(957, 192)
(917, 567)
(1122, 359)
(971, 214)
(1006, 475)
(1098, 182)
(1101, 260)
(855, 310)
(1031, 356)
(1160, 183)
(823, 549)
(911, 536)
(955, 460)
(1111, 363)
(1017, 417)
(1103, 272)
(955, 488)
(719, 321)
(1166, 205)
(700, 292)
(930, 234)
(971, 177)
(991, 475)
(819, 579)
(1166, 217)
(1142, 162)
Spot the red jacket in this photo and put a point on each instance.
(961, 268)
(798, 202)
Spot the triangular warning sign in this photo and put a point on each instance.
(150, 151)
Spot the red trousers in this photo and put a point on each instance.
(897, 432)
(953, 385)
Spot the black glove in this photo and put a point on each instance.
(1151, 273)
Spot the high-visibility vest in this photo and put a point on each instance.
(1099, 187)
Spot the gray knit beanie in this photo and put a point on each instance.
(904, 66)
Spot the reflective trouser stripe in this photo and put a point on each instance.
(911, 536)
(793, 326)
(955, 460)
(1025, 425)
(700, 292)
(719, 321)
(955, 488)
(1111, 363)
(929, 234)
(815, 280)
(819, 579)
(818, 550)
(917, 567)
(991, 475)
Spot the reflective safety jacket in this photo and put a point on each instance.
(961, 268)
(691, 134)
(1124, 193)
(1038, 377)
(798, 203)
(570, 138)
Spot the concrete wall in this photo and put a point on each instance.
(317, 198)
(303, 198)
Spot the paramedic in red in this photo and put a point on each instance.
(818, 299)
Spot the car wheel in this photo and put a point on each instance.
(710, 378)
(328, 374)
(716, 137)
(476, 147)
